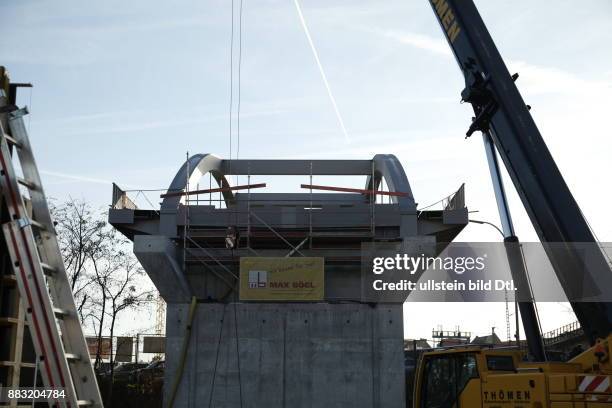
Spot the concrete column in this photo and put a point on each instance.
(289, 355)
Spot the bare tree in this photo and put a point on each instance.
(101, 269)
(122, 290)
(82, 234)
(107, 256)
(105, 276)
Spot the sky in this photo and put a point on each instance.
(123, 90)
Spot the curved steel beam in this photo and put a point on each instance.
(389, 168)
(193, 169)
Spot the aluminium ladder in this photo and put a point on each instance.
(43, 284)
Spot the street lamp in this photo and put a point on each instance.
(491, 224)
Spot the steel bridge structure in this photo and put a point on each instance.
(292, 353)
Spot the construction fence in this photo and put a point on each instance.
(142, 347)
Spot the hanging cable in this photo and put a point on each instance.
(214, 376)
(30, 109)
(533, 300)
(236, 335)
(186, 220)
(239, 86)
(597, 241)
(231, 95)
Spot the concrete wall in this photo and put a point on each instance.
(290, 355)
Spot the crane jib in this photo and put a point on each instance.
(447, 19)
(501, 112)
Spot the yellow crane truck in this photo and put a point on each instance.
(467, 376)
(471, 377)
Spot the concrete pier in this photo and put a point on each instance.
(289, 355)
(335, 351)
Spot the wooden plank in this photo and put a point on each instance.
(213, 190)
(9, 279)
(355, 190)
(5, 363)
(7, 321)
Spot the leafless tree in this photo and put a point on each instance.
(82, 234)
(120, 289)
(103, 272)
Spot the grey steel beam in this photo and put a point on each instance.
(297, 167)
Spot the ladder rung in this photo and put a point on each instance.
(25, 221)
(38, 225)
(72, 357)
(27, 183)
(48, 269)
(61, 313)
(84, 403)
(12, 141)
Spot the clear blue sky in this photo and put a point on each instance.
(124, 89)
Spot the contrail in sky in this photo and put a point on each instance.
(316, 56)
(76, 177)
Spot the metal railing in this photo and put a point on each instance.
(455, 201)
(121, 200)
(563, 333)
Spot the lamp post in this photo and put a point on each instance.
(491, 224)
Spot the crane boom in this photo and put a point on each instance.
(501, 113)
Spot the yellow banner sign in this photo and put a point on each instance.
(295, 279)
